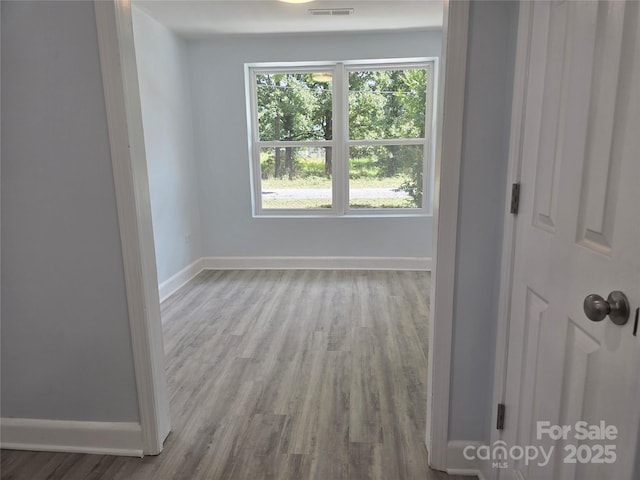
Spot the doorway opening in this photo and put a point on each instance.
(121, 74)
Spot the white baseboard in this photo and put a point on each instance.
(169, 286)
(458, 465)
(317, 263)
(104, 438)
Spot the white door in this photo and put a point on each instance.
(577, 233)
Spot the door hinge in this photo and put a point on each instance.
(515, 198)
(500, 417)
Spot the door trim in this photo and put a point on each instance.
(124, 121)
(518, 110)
(453, 65)
(119, 73)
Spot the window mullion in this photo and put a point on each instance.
(294, 144)
(389, 141)
(340, 172)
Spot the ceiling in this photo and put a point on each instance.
(198, 18)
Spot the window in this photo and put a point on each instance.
(342, 138)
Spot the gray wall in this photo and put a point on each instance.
(218, 88)
(168, 134)
(491, 58)
(66, 347)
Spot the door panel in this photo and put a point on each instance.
(546, 184)
(578, 232)
(601, 163)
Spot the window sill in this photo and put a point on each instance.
(346, 216)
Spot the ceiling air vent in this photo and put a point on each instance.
(331, 12)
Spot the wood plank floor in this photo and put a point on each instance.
(283, 375)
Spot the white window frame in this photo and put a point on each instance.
(340, 142)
